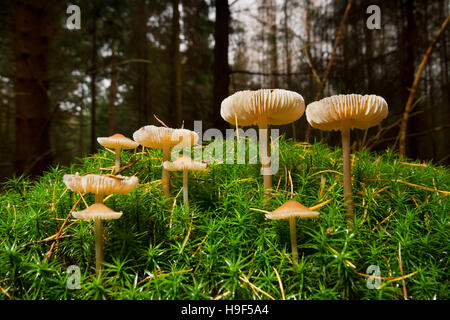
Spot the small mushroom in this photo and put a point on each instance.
(346, 112)
(289, 211)
(97, 212)
(184, 164)
(99, 185)
(117, 141)
(263, 108)
(165, 139)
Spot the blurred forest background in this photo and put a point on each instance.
(178, 59)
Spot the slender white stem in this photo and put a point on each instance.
(293, 233)
(166, 173)
(117, 161)
(185, 189)
(98, 234)
(264, 151)
(348, 197)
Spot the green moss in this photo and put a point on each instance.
(228, 241)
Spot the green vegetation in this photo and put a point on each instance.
(222, 248)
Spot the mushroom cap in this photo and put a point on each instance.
(117, 141)
(264, 106)
(184, 163)
(158, 137)
(100, 184)
(97, 211)
(292, 209)
(347, 111)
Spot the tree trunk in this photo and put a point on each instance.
(112, 99)
(93, 79)
(140, 50)
(176, 66)
(221, 67)
(273, 43)
(32, 118)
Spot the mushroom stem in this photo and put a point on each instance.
(99, 198)
(98, 234)
(185, 189)
(264, 151)
(117, 161)
(348, 199)
(166, 173)
(293, 233)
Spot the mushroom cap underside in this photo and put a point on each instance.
(264, 106)
(117, 141)
(347, 111)
(291, 209)
(184, 163)
(100, 184)
(97, 211)
(159, 137)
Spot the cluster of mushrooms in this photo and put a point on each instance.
(262, 108)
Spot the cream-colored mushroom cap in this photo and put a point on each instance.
(100, 184)
(347, 111)
(158, 137)
(264, 106)
(292, 209)
(117, 141)
(184, 163)
(97, 211)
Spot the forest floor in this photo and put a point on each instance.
(222, 248)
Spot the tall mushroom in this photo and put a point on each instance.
(117, 141)
(97, 212)
(346, 112)
(263, 108)
(165, 139)
(184, 164)
(99, 185)
(289, 211)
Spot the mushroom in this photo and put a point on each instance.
(99, 185)
(345, 112)
(263, 107)
(165, 139)
(184, 164)
(117, 141)
(289, 211)
(97, 212)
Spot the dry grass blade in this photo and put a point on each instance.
(50, 251)
(389, 279)
(280, 283)
(6, 293)
(405, 294)
(151, 276)
(422, 187)
(384, 220)
(244, 279)
(320, 205)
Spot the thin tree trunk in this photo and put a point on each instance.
(273, 43)
(288, 56)
(32, 118)
(140, 49)
(93, 79)
(221, 67)
(330, 63)
(176, 66)
(112, 97)
(409, 102)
